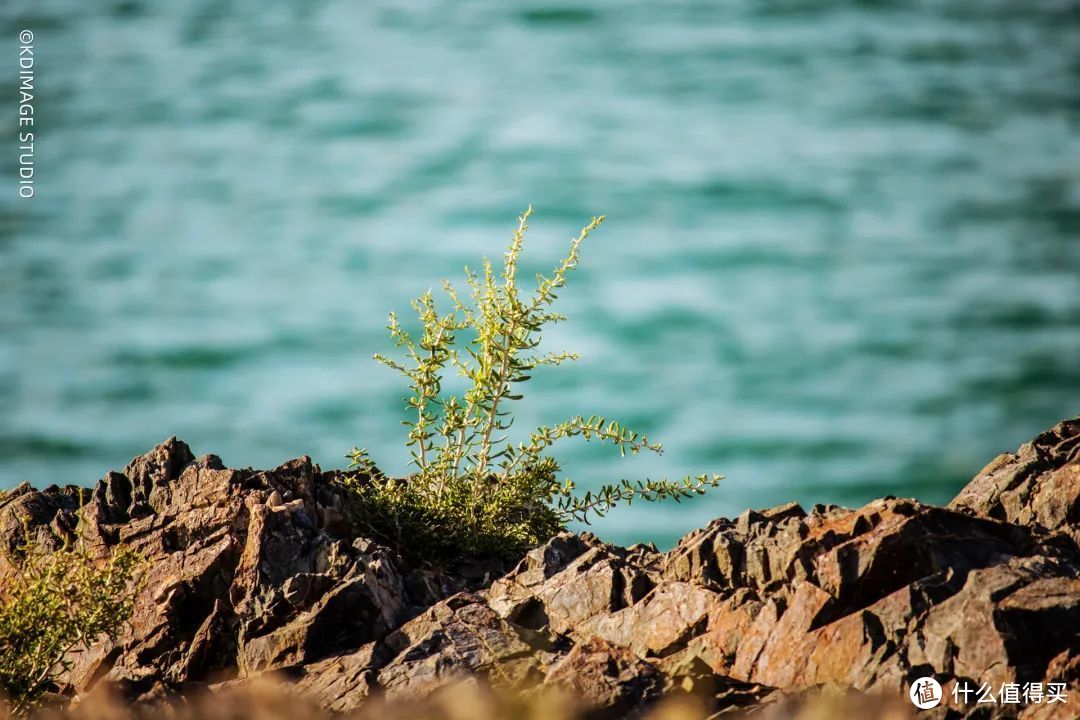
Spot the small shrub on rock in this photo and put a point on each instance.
(52, 603)
(475, 491)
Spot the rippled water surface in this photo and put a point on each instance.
(842, 257)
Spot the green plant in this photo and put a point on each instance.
(52, 603)
(473, 490)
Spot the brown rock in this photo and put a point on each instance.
(1039, 484)
(150, 477)
(339, 684)
(1005, 624)
(566, 582)
(253, 571)
(663, 621)
(892, 543)
(729, 624)
(46, 518)
(461, 636)
(609, 681)
(241, 575)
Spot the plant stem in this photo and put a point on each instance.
(504, 383)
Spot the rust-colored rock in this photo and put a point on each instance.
(568, 582)
(459, 637)
(1038, 485)
(243, 574)
(263, 571)
(660, 623)
(341, 683)
(608, 680)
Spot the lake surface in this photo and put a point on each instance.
(842, 255)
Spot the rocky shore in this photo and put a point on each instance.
(254, 572)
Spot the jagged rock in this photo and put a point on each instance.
(759, 550)
(46, 518)
(150, 477)
(567, 582)
(458, 637)
(1064, 668)
(1039, 484)
(254, 571)
(1006, 624)
(342, 683)
(246, 571)
(729, 623)
(661, 623)
(686, 672)
(608, 680)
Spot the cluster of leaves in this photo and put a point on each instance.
(474, 491)
(52, 603)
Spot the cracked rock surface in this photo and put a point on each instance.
(262, 571)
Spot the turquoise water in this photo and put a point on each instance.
(842, 256)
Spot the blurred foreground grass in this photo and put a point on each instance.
(469, 699)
